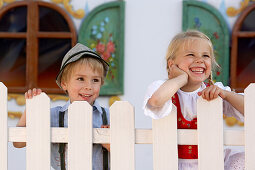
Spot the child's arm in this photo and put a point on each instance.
(213, 91)
(22, 122)
(236, 100)
(177, 79)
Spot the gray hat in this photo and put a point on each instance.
(74, 54)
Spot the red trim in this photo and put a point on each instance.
(183, 123)
(185, 151)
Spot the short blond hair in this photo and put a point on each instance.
(93, 63)
(181, 38)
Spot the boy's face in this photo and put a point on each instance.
(83, 84)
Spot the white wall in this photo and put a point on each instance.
(149, 26)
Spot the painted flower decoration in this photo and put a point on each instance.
(103, 43)
(100, 47)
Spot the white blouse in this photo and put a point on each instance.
(188, 103)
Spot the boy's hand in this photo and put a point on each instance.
(31, 93)
(212, 92)
(22, 122)
(175, 71)
(106, 146)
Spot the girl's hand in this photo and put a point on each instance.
(212, 92)
(106, 146)
(175, 71)
(31, 93)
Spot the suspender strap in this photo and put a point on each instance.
(61, 149)
(105, 152)
(104, 117)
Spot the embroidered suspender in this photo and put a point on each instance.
(105, 152)
(61, 149)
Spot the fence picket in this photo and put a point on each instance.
(210, 134)
(249, 108)
(122, 136)
(38, 133)
(3, 128)
(165, 154)
(80, 136)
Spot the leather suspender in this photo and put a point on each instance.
(61, 149)
(105, 152)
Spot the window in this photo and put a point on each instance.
(243, 50)
(34, 37)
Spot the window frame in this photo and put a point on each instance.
(236, 34)
(32, 36)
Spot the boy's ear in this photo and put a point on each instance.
(63, 85)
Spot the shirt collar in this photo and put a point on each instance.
(202, 87)
(96, 106)
(65, 107)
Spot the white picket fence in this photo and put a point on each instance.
(122, 135)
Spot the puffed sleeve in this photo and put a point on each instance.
(155, 112)
(228, 109)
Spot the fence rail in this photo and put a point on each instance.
(123, 136)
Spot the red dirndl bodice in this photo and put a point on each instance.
(185, 151)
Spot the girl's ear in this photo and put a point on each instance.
(170, 62)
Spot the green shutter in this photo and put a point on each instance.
(103, 31)
(205, 18)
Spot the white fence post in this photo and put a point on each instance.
(249, 109)
(38, 132)
(165, 151)
(80, 136)
(3, 128)
(122, 128)
(210, 134)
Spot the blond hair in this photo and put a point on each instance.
(181, 38)
(93, 63)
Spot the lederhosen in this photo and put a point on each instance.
(61, 149)
(185, 151)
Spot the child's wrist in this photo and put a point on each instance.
(226, 95)
(184, 78)
(181, 80)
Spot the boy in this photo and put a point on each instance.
(81, 76)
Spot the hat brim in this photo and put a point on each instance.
(77, 56)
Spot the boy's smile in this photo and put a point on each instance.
(83, 84)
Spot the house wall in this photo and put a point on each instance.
(149, 26)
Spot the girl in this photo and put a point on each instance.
(190, 59)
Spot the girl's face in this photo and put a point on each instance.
(194, 57)
(84, 84)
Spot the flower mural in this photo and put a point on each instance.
(102, 42)
(103, 31)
